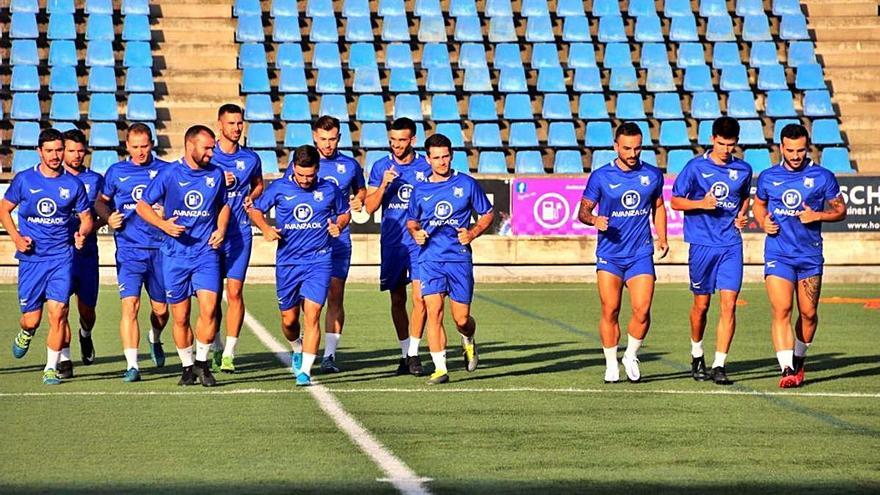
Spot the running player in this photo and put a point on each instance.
(138, 259)
(628, 192)
(193, 193)
(439, 215)
(793, 199)
(713, 192)
(85, 260)
(48, 199)
(309, 211)
(391, 182)
(244, 181)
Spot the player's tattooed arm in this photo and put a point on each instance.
(811, 288)
(585, 215)
(22, 243)
(834, 212)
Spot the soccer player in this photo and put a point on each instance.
(138, 259)
(391, 182)
(439, 216)
(196, 218)
(244, 182)
(48, 199)
(85, 260)
(713, 192)
(628, 192)
(309, 211)
(793, 199)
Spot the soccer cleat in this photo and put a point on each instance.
(131, 375)
(402, 367)
(438, 377)
(303, 380)
(469, 352)
(328, 365)
(87, 348)
(228, 365)
(203, 372)
(720, 377)
(157, 354)
(296, 362)
(216, 361)
(799, 363)
(50, 377)
(789, 379)
(698, 369)
(631, 365)
(612, 375)
(188, 377)
(65, 369)
(414, 364)
(21, 343)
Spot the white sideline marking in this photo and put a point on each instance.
(397, 473)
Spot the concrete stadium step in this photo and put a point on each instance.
(849, 53)
(191, 56)
(838, 8)
(866, 158)
(192, 9)
(846, 28)
(196, 82)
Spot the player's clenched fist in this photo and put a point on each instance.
(332, 228)
(421, 237)
(809, 215)
(272, 234)
(464, 236)
(770, 227)
(709, 202)
(229, 177)
(389, 176)
(601, 223)
(217, 238)
(115, 220)
(23, 244)
(79, 240)
(740, 221)
(355, 203)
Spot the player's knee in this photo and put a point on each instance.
(461, 321)
(809, 316)
(701, 307)
(728, 308)
(641, 312)
(30, 321)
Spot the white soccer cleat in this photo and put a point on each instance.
(631, 365)
(612, 375)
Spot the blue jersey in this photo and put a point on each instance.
(785, 192)
(442, 208)
(627, 199)
(195, 197)
(125, 183)
(94, 184)
(245, 166)
(302, 216)
(348, 175)
(729, 183)
(47, 208)
(395, 201)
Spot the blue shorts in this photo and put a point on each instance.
(39, 281)
(293, 283)
(136, 268)
(184, 276)
(235, 257)
(341, 264)
(626, 269)
(400, 266)
(715, 267)
(453, 278)
(85, 278)
(793, 269)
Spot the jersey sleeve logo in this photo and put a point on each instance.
(443, 210)
(458, 192)
(808, 182)
(64, 193)
(46, 207)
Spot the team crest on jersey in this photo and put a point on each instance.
(420, 176)
(153, 174)
(63, 192)
(239, 164)
(210, 181)
(88, 188)
(733, 174)
(340, 168)
(645, 180)
(458, 192)
(808, 182)
(319, 196)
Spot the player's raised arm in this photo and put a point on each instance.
(378, 184)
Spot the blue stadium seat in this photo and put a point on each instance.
(611, 29)
(64, 107)
(356, 8)
(741, 105)
(432, 29)
(459, 8)
(690, 54)
(617, 55)
(498, 8)
(533, 8)
(602, 8)
(295, 108)
(477, 80)
(391, 7)
(836, 160)
(512, 80)
(581, 55)
(102, 159)
(712, 8)
(562, 135)
(254, 80)
(61, 27)
(137, 54)
(539, 29)
(501, 30)
(556, 107)
(551, 80)
(809, 76)
(250, 29)
(492, 162)
(486, 136)
(25, 134)
(780, 104)
(674, 133)
(660, 79)
(817, 103)
(677, 8)
(576, 29)
(24, 159)
(543, 55)
(440, 80)
(623, 79)
(568, 162)
(402, 80)
(444, 108)
(24, 78)
(649, 157)
(252, 55)
(371, 157)
(467, 28)
(292, 80)
(335, 106)
(756, 28)
(362, 55)
(367, 80)
(763, 53)
(567, 8)
(246, 8)
(427, 8)
(720, 28)
(523, 135)
(24, 52)
(99, 7)
(330, 80)
(751, 132)
(268, 161)
(645, 127)
(324, 30)
(704, 105)
(725, 55)
(63, 52)
(801, 52)
(100, 27)
(371, 108)
(326, 55)
(137, 7)
(601, 158)
(358, 29)
(64, 126)
(826, 131)
(704, 133)
(648, 29)
(258, 108)
(598, 135)
(793, 27)
(409, 106)
(262, 135)
(698, 78)
(785, 7)
(640, 8)
(103, 135)
(749, 7)
(23, 25)
(398, 55)
(482, 108)
(472, 55)
(460, 163)
(653, 55)
(136, 28)
(314, 8)
(24, 6)
(395, 28)
(630, 106)
(295, 134)
(435, 55)
(508, 54)
(667, 106)
(518, 106)
(734, 78)
(771, 77)
(528, 162)
(141, 107)
(102, 106)
(676, 160)
(592, 106)
(453, 131)
(284, 30)
(62, 79)
(758, 158)
(683, 28)
(779, 124)
(290, 55)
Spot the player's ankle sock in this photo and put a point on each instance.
(131, 358)
(217, 343)
(229, 351)
(696, 349)
(632, 346)
(785, 358)
(413, 349)
(308, 361)
(52, 359)
(202, 350)
(439, 359)
(801, 348)
(332, 341)
(467, 340)
(404, 346)
(610, 356)
(85, 333)
(153, 335)
(186, 356)
(296, 345)
(720, 359)
(65, 354)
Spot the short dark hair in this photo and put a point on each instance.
(75, 135)
(726, 127)
(305, 156)
(627, 129)
(794, 131)
(404, 124)
(48, 135)
(139, 128)
(197, 129)
(229, 108)
(437, 141)
(326, 123)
